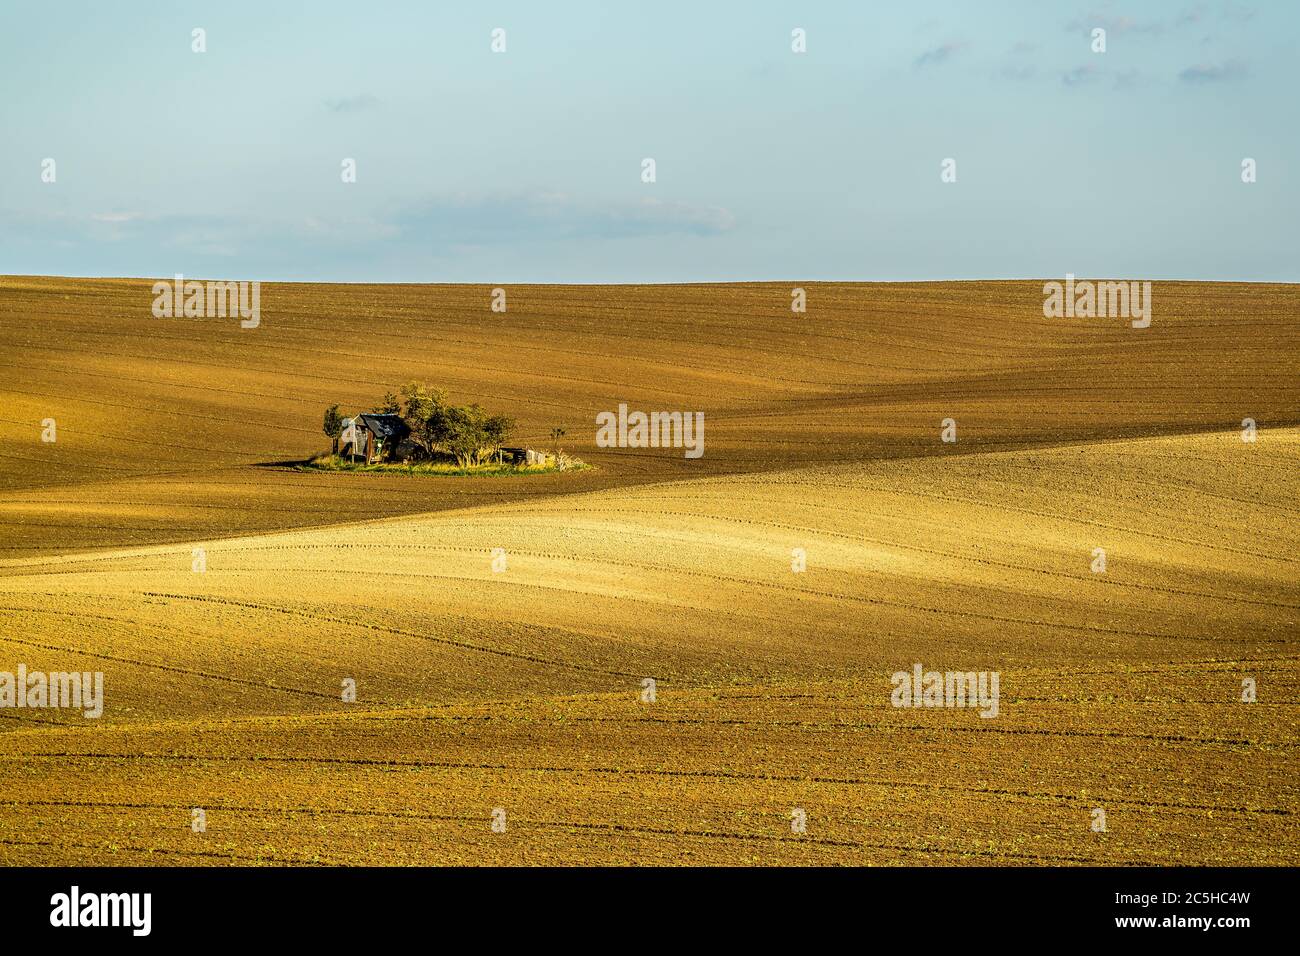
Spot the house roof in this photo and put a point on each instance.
(385, 426)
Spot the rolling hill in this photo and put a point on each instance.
(524, 690)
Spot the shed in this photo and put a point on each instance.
(373, 438)
(524, 456)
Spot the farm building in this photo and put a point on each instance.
(524, 456)
(373, 438)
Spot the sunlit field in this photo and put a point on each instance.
(655, 659)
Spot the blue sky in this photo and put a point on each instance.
(525, 166)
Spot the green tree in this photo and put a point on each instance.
(425, 415)
(472, 434)
(389, 406)
(497, 431)
(333, 426)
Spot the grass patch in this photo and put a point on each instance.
(444, 469)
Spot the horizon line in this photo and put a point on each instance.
(687, 282)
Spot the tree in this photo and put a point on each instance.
(472, 434)
(497, 431)
(425, 415)
(556, 434)
(389, 406)
(333, 426)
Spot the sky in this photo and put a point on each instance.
(527, 165)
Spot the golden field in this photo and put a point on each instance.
(521, 690)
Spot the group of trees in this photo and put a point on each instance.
(466, 432)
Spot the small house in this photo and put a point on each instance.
(372, 438)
